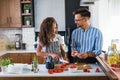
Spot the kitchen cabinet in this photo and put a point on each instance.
(27, 13)
(20, 58)
(10, 13)
(41, 60)
(23, 57)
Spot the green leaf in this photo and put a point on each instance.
(5, 61)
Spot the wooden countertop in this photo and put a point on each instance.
(17, 51)
(112, 74)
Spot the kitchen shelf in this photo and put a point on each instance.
(24, 14)
(26, 26)
(25, 2)
(27, 14)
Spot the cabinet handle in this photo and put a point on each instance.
(7, 19)
(10, 20)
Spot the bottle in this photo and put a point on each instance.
(111, 59)
(35, 64)
(115, 51)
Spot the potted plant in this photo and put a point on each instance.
(27, 20)
(26, 8)
(4, 62)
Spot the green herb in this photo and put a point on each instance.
(10, 46)
(26, 7)
(5, 62)
(27, 18)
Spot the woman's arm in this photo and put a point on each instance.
(44, 54)
(40, 53)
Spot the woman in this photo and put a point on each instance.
(50, 41)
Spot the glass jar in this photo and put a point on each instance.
(116, 54)
(111, 59)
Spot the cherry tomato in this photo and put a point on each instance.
(97, 70)
(59, 70)
(72, 66)
(50, 71)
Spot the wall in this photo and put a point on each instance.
(28, 35)
(51, 8)
(103, 22)
(94, 9)
(9, 33)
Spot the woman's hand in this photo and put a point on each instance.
(55, 56)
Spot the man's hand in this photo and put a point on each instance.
(74, 53)
(82, 55)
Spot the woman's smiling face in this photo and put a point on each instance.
(54, 29)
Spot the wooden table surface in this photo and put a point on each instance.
(115, 73)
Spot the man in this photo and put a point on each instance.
(86, 40)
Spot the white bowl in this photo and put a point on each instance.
(72, 69)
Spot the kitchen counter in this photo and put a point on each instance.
(65, 74)
(21, 56)
(17, 51)
(27, 57)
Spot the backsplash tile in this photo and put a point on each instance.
(9, 33)
(28, 35)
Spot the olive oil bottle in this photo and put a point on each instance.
(111, 58)
(115, 52)
(35, 64)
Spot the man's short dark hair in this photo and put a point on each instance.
(83, 12)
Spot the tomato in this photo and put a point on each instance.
(64, 64)
(97, 70)
(61, 66)
(59, 70)
(50, 71)
(114, 65)
(55, 71)
(88, 70)
(72, 66)
(85, 70)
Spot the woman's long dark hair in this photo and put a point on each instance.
(46, 30)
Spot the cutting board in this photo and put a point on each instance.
(3, 44)
(80, 66)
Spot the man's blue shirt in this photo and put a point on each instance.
(89, 40)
